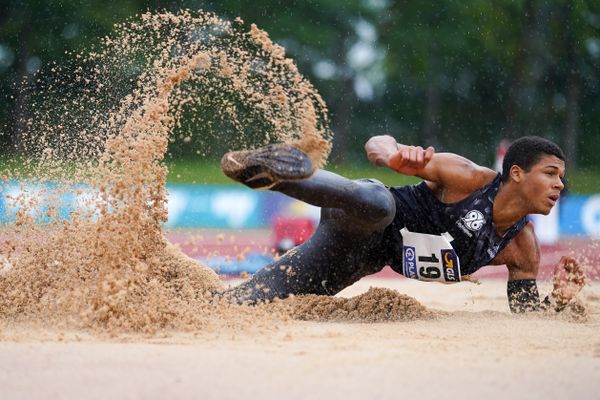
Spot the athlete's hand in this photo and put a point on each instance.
(568, 280)
(410, 160)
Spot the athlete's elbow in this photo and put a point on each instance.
(377, 141)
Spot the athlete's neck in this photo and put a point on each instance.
(508, 208)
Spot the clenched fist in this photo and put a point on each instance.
(410, 160)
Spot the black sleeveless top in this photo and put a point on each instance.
(469, 221)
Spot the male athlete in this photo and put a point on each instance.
(460, 218)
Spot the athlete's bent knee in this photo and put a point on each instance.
(380, 207)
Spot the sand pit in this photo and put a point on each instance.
(476, 350)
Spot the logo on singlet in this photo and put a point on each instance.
(473, 220)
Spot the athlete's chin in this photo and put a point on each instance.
(545, 210)
(544, 206)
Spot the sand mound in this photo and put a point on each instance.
(376, 305)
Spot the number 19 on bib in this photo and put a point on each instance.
(429, 257)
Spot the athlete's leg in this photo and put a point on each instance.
(333, 258)
(347, 243)
(286, 169)
(346, 246)
(364, 202)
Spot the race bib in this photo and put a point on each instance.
(429, 257)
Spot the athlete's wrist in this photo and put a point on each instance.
(523, 295)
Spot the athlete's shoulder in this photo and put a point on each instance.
(483, 176)
(478, 179)
(455, 187)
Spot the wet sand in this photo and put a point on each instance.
(478, 350)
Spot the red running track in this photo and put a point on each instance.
(207, 243)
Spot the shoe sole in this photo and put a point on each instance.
(264, 167)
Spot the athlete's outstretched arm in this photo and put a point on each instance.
(522, 258)
(446, 169)
(568, 280)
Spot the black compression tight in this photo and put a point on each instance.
(365, 202)
(345, 247)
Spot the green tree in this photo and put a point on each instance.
(36, 33)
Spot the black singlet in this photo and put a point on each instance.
(469, 221)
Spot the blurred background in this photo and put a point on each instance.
(459, 75)
(463, 76)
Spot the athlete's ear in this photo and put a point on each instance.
(516, 173)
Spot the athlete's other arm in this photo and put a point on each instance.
(522, 258)
(440, 170)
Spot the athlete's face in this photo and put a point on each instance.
(542, 184)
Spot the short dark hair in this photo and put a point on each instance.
(526, 151)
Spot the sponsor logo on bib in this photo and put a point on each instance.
(473, 220)
(451, 266)
(410, 264)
